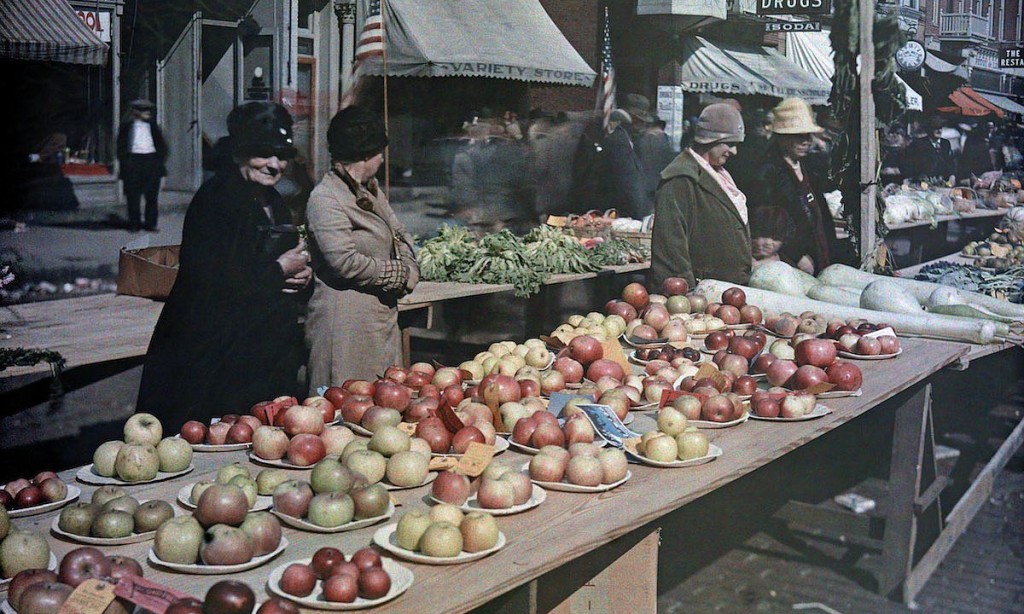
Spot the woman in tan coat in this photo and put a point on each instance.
(362, 257)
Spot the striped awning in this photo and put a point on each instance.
(47, 30)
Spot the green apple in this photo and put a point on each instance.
(662, 449)
(352, 447)
(197, 491)
(411, 527)
(371, 501)
(268, 479)
(225, 473)
(330, 475)
(175, 454)
(23, 550)
(692, 445)
(121, 504)
(112, 524)
(143, 429)
(152, 514)
(104, 457)
(407, 468)
(5, 523)
(446, 512)
(369, 464)
(441, 539)
(671, 421)
(331, 509)
(106, 493)
(248, 486)
(137, 463)
(178, 540)
(479, 532)
(77, 518)
(389, 440)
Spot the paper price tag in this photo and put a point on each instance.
(558, 221)
(475, 460)
(146, 594)
(442, 463)
(408, 428)
(613, 351)
(89, 597)
(883, 332)
(711, 372)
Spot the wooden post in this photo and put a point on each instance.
(868, 134)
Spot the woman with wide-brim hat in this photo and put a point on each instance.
(362, 256)
(229, 334)
(785, 182)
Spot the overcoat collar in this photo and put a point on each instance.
(686, 166)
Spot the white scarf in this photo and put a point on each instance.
(724, 179)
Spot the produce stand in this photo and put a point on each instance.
(924, 241)
(546, 539)
(99, 329)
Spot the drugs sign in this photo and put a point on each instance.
(794, 7)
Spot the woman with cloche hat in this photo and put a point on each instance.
(362, 256)
(229, 335)
(700, 219)
(786, 182)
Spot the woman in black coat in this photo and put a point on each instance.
(228, 336)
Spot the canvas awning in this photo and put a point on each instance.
(1004, 103)
(971, 103)
(812, 51)
(513, 39)
(47, 30)
(728, 68)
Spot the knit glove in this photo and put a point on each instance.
(392, 275)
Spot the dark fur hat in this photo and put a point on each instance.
(261, 129)
(356, 133)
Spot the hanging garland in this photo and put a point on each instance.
(890, 104)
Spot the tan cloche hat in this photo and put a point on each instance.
(794, 116)
(719, 122)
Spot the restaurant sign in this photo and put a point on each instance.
(1012, 57)
(794, 7)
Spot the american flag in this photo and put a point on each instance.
(371, 37)
(606, 88)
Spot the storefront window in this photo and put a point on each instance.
(257, 66)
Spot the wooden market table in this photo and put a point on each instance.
(568, 526)
(109, 327)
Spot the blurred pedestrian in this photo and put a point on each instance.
(490, 183)
(229, 335)
(700, 227)
(362, 255)
(142, 153)
(654, 148)
(622, 174)
(929, 156)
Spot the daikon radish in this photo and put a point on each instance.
(924, 325)
(782, 278)
(842, 275)
(950, 301)
(835, 294)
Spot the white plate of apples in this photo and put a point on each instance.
(500, 445)
(214, 570)
(56, 495)
(567, 486)
(713, 453)
(386, 539)
(263, 502)
(339, 594)
(134, 538)
(819, 411)
(472, 504)
(89, 476)
(305, 525)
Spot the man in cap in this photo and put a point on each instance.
(930, 156)
(700, 219)
(141, 151)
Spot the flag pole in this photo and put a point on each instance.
(384, 63)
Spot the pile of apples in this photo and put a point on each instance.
(500, 487)
(444, 531)
(475, 424)
(596, 324)
(340, 580)
(583, 464)
(705, 402)
(143, 453)
(237, 474)
(302, 437)
(231, 597)
(787, 324)
(340, 504)
(221, 531)
(542, 429)
(814, 362)
(45, 487)
(391, 453)
(513, 411)
(856, 341)
(734, 308)
(112, 514)
(778, 402)
(40, 591)
(669, 353)
(413, 393)
(508, 358)
(229, 429)
(673, 440)
(20, 550)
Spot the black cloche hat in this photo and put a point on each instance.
(261, 129)
(356, 133)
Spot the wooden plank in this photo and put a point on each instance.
(547, 537)
(942, 219)
(962, 514)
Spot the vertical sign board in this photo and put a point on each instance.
(1012, 57)
(794, 7)
(670, 110)
(98, 22)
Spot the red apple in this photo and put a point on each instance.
(306, 449)
(298, 580)
(845, 375)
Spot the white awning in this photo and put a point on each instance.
(1004, 103)
(728, 68)
(512, 39)
(47, 30)
(813, 52)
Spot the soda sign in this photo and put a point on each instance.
(98, 22)
(794, 7)
(792, 26)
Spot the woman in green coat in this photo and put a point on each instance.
(701, 229)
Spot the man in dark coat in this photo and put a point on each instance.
(228, 336)
(787, 182)
(930, 156)
(623, 174)
(142, 152)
